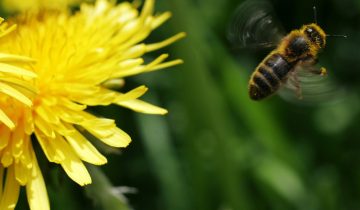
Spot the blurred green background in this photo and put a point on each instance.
(217, 149)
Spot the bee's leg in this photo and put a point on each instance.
(298, 91)
(323, 71)
(319, 71)
(294, 82)
(310, 62)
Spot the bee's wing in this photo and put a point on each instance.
(315, 88)
(254, 25)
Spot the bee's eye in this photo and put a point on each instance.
(309, 30)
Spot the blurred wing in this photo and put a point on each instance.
(315, 89)
(253, 25)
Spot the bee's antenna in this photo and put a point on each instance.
(328, 35)
(337, 35)
(315, 14)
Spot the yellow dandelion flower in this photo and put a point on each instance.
(76, 55)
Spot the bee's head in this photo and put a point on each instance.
(315, 34)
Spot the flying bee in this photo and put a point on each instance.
(298, 48)
(254, 25)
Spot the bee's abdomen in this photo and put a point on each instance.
(279, 65)
(268, 76)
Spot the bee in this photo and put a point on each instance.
(298, 48)
(254, 25)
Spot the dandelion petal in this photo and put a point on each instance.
(84, 149)
(11, 191)
(36, 189)
(118, 139)
(72, 165)
(142, 106)
(6, 120)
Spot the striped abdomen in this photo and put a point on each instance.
(268, 76)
